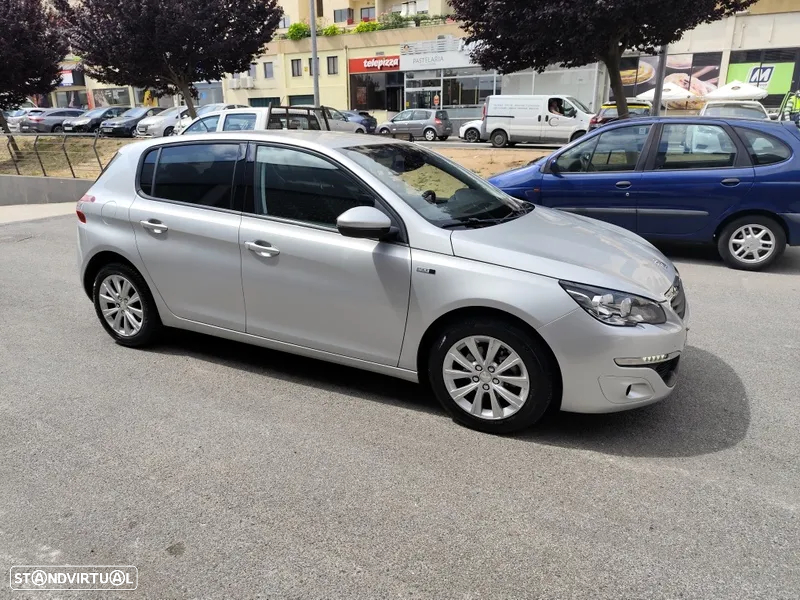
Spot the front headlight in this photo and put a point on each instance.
(615, 308)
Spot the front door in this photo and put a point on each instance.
(337, 121)
(597, 177)
(400, 122)
(559, 121)
(187, 231)
(306, 284)
(696, 174)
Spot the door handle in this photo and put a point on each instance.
(730, 181)
(154, 225)
(546, 117)
(539, 119)
(262, 248)
(623, 185)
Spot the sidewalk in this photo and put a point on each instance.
(27, 212)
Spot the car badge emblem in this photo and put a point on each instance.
(661, 264)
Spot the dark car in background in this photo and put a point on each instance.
(89, 122)
(49, 120)
(363, 117)
(730, 182)
(608, 112)
(125, 124)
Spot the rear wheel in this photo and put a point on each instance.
(472, 135)
(751, 243)
(491, 376)
(499, 139)
(429, 135)
(124, 305)
(577, 135)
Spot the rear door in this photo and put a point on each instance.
(419, 120)
(598, 177)
(695, 174)
(401, 122)
(187, 230)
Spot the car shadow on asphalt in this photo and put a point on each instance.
(299, 369)
(708, 412)
(706, 254)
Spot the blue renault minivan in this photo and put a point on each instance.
(731, 182)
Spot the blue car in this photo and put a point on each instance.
(731, 182)
(363, 117)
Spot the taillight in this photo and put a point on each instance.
(594, 120)
(78, 211)
(483, 112)
(437, 121)
(36, 119)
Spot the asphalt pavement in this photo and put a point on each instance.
(223, 470)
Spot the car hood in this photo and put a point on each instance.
(573, 248)
(116, 121)
(520, 176)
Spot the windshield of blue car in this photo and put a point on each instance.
(442, 192)
(134, 112)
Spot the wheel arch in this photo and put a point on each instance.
(455, 315)
(100, 260)
(748, 212)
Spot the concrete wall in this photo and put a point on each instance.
(15, 189)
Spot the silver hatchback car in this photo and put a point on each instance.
(385, 256)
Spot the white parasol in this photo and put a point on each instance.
(670, 92)
(736, 90)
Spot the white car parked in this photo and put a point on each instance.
(184, 121)
(256, 119)
(161, 124)
(473, 131)
(749, 109)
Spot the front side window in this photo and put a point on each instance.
(199, 174)
(291, 184)
(764, 149)
(403, 116)
(203, 125)
(694, 147)
(335, 115)
(614, 150)
(440, 191)
(243, 122)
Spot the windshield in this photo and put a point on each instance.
(579, 104)
(439, 190)
(97, 112)
(171, 111)
(134, 112)
(611, 111)
(204, 110)
(732, 110)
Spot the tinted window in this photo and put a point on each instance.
(295, 185)
(577, 158)
(146, 175)
(245, 122)
(614, 150)
(764, 149)
(197, 173)
(203, 125)
(420, 115)
(694, 147)
(442, 114)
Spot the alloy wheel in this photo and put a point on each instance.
(471, 135)
(121, 305)
(430, 135)
(486, 377)
(752, 244)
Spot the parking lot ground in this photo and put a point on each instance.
(223, 470)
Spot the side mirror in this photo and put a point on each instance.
(554, 168)
(364, 222)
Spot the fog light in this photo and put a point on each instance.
(645, 360)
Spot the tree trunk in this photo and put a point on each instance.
(612, 64)
(187, 97)
(4, 127)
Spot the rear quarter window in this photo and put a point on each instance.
(763, 148)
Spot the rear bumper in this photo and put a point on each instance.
(792, 221)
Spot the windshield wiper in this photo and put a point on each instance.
(475, 222)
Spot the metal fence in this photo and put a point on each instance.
(73, 155)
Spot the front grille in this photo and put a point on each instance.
(667, 370)
(678, 301)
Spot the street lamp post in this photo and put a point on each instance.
(314, 60)
(660, 73)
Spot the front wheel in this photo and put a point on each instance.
(384, 131)
(499, 139)
(491, 376)
(751, 243)
(472, 136)
(168, 131)
(57, 129)
(124, 305)
(429, 135)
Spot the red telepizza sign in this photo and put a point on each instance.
(374, 64)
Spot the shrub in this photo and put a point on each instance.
(392, 21)
(367, 26)
(298, 31)
(330, 30)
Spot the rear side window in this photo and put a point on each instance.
(299, 121)
(245, 122)
(764, 149)
(442, 114)
(695, 147)
(148, 168)
(200, 174)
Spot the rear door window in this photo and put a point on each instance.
(420, 115)
(298, 121)
(200, 174)
(239, 122)
(684, 146)
(764, 149)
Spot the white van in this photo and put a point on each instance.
(552, 119)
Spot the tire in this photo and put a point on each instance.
(737, 235)
(472, 136)
(429, 135)
(444, 137)
(168, 131)
(576, 135)
(502, 416)
(360, 131)
(384, 131)
(57, 129)
(105, 290)
(499, 139)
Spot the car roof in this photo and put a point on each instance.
(700, 120)
(302, 138)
